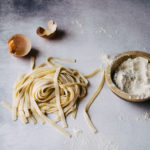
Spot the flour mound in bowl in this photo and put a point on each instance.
(133, 77)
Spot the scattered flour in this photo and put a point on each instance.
(133, 77)
(106, 59)
(91, 141)
(121, 117)
(145, 116)
(76, 22)
(102, 30)
(124, 117)
(76, 132)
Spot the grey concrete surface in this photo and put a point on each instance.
(86, 30)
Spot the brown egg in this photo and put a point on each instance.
(19, 45)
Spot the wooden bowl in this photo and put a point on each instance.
(19, 45)
(110, 70)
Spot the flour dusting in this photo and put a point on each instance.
(145, 116)
(106, 59)
(91, 141)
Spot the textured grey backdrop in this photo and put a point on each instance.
(86, 29)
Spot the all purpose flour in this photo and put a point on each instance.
(133, 77)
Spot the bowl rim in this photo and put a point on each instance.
(112, 86)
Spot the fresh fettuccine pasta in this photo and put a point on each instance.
(50, 89)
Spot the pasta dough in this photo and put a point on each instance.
(51, 89)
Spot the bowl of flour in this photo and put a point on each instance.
(129, 76)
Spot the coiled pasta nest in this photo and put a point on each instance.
(51, 89)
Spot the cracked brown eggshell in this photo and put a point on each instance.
(19, 45)
(48, 32)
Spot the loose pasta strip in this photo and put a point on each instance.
(10, 108)
(93, 73)
(6, 105)
(57, 93)
(32, 62)
(87, 117)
